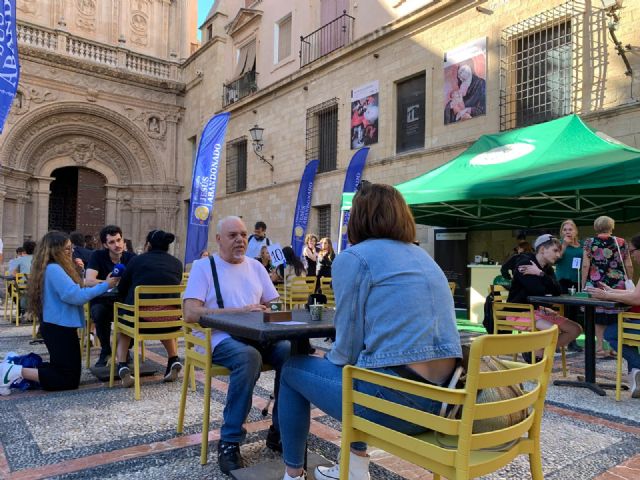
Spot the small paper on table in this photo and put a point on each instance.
(290, 322)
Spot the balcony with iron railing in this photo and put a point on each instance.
(63, 43)
(243, 86)
(328, 38)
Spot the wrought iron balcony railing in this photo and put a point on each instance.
(243, 86)
(335, 34)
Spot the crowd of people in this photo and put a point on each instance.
(381, 270)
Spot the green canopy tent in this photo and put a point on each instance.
(529, 178)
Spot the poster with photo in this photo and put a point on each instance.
(364, 115)
(465, 86)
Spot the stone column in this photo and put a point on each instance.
(3, 193)
(21, 201)
(135, 223)
(40, 205)
(110, 208)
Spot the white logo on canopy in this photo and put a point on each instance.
(503, 154)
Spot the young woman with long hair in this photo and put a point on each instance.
(56, 296)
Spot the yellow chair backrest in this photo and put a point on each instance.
(452, 287)
(628, 334)
(22, 280)
(500, 293)
(159, 305)
(449, 447)
(185, 277)
(298, 291)
(509, 317)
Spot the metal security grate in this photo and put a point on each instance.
(237, 165)
(539, 67)
(322, 135)
(324, 221)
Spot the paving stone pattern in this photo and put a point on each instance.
(98, 432)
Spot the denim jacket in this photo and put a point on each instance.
(393, 306)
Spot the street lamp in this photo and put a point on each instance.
(256, 137)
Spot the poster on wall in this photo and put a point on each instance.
(465, 87)
(364, 115)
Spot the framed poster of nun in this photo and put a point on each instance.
(465, 87)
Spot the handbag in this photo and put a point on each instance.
(487, 395)
(628, 283)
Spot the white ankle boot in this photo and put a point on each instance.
(358, 469)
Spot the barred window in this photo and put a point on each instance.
(537, 68)
(237, 165)
(324, 221)
(322, 135)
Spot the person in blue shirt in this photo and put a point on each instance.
(394, 315)
(56, 296)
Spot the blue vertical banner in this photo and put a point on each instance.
(203, 186)
(303, 207)
(351, 182)
(9, 64)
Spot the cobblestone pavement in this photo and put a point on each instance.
(98, 432)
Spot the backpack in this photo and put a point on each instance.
(488, 313)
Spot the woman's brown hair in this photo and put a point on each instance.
(379, 211)
(51, 249)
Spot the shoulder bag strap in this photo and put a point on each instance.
(624, 270)
(216, 283)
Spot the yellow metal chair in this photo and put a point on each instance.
(19, 289)
(298, 292)
(327, 290)
(197, 353)
(452, 287)
(311, 283)
(629, 335)
(147, 297)
(185, 278)
(8, 285)
(503, 314)
(449, 447)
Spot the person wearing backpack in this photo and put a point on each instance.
(257, 239)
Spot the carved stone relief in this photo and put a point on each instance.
(86, 19)
(27, 6)
(153, 123)
(139, 22)
(26, 96)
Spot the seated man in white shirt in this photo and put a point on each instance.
(245, 286)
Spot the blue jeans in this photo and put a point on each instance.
(313, 380)
(630, 354)
(245, 361)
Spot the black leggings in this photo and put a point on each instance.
(62, 372)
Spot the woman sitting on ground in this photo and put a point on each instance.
(629, 297)
(293, 268)
(154, 267)
(535, 277)
(394, 315)
(56, 297)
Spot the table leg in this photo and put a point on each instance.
(589, 379)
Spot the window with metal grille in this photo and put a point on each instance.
(237, 165)
(324, 221)
(282, 36)
(538, 68)
(322, 135)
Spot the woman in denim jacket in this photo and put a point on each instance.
(394, 314)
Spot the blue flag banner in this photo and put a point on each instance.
(303, 207)
(203, 186)
(351, 182)
(9, 65)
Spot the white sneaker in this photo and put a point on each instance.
(9, 373)
(300, 477)
(634, 381)
(358, 469)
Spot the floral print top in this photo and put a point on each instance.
(606, 264)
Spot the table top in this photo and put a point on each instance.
(250, 325)
(574, 300)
